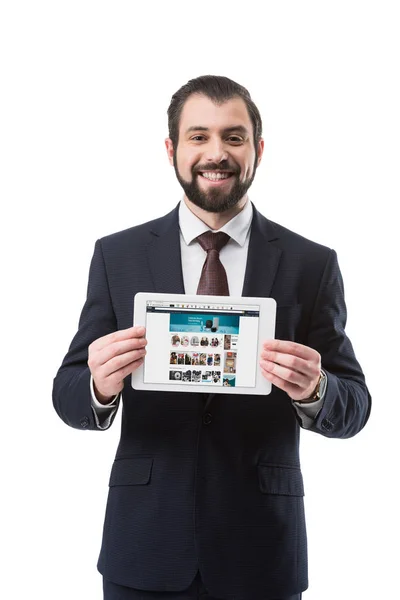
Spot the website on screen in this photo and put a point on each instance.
(206, 344)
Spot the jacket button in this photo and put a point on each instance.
(207, 418)
(84, 422)
(327, 425)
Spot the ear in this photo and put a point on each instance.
(260, 151)
(170, 151)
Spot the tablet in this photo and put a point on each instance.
(208, 344)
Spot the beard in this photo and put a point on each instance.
(215, 200)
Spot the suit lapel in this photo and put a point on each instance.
(262, 258)
(164, 255)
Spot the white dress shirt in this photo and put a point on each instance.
(233, 256)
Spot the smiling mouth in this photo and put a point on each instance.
(216, 175)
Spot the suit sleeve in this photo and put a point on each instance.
(347, 402)
(71, 386)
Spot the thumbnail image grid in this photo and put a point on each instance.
(208, 344)
(195, 376)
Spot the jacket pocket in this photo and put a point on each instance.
(134, 470)
(280, 480)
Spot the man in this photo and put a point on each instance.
(206, 491)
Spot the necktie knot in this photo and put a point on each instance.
(213, 241)
(213, 280)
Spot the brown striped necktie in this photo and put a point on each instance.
(213, 280)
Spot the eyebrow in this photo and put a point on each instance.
(237, 128)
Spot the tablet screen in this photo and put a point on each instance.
(201, 344)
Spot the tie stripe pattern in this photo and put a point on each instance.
(213, 280)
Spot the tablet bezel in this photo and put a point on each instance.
(266, 330)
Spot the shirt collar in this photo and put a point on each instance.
(237, 228)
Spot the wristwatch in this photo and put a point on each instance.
(320, 388)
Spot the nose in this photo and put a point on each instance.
(216, 151)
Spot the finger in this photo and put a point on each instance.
(117, 348)
(117, 336)
(286, 374)
(120, 375)
(306, 367)
(120, 362)
(286, 347)
(294, 391)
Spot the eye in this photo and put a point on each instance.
(235, 139)
(195, 138)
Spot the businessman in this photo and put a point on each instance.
(206, 491)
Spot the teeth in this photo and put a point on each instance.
(215, 176)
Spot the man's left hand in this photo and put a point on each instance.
(292, 367)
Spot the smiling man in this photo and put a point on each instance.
(206, 491)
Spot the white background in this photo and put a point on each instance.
(84, 91)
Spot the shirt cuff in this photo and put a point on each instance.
(103, 413)
(308, 411)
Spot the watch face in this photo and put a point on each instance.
(320, 387)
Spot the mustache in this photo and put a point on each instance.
(223, 166)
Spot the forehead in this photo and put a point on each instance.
(201, 111)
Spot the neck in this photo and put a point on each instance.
(216, 220)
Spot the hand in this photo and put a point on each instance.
(292, 367)
(113, 357)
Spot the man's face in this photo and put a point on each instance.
(215, 161)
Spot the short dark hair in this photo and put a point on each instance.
(219, 89)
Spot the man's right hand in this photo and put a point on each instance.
(113, 357)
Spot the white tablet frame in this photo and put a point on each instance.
(266, 330)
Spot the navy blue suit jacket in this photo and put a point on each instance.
(222, 493)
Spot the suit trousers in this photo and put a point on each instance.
(196, 591)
